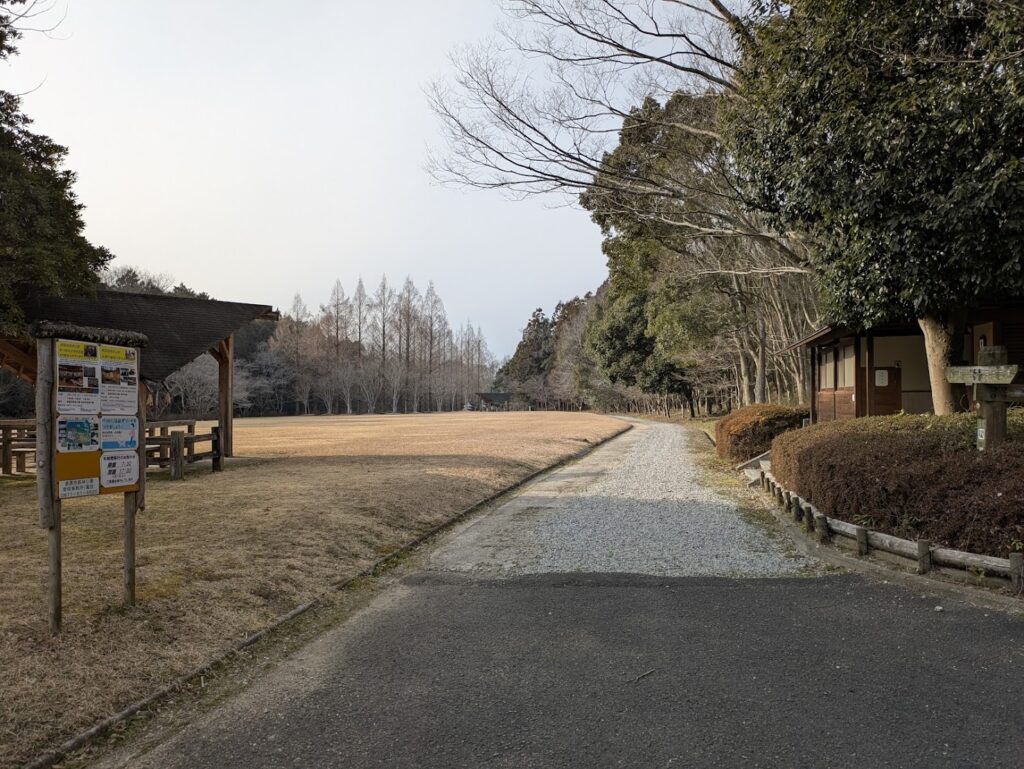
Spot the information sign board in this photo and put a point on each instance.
(97, 424)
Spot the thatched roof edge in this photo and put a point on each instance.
(45, 329)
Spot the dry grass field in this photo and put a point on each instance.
(308, 501)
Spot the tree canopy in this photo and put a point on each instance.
(892, 134)
(41, 229)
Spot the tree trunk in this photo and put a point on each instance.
(938, 346)
(762, 363)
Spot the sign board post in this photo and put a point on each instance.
(991, 379)
(90, 422)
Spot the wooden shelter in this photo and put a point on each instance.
(884, 369)
(494, 401)
(178, 329)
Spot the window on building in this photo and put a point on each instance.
(847, 366)
(826, 370)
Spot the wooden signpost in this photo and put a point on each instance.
(992, 379)
(90, 434)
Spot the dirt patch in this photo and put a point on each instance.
(309, 501)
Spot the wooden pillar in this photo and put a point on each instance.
(130, 508)
(46, 479)
(134, 501)
(992, 400)
(8, 450)
(858, 379)
(814, 385)
(869, 378)
(226, 391)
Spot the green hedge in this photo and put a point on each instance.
(914, 476)
(748, 431)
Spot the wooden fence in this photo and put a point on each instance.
(171, 443)
(17, 445)
(175, 448)
(925, 556)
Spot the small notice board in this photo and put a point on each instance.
(97, 415)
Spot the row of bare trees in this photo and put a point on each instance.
(389, 351)
(386, 351)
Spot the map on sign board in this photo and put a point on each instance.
(78, 377)
(78, 433)
(117, 432)
(119, 468)
(119, 380)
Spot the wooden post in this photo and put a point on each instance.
(859, 398)
(821, 527)
(46, 481)
(814, 385)
(924, 556)
(869, 404)
(808, 519)
(130, 506)
(134, 501)
(215, 431)
(992, 425)
(190, 446)
(862, 540)
(7, 436)
(164, 448)
(143, 405)
(177, 455)
(226, 387)
(1017, 570)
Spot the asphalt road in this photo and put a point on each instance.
(459, 667)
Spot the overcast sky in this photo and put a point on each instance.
(257, 149)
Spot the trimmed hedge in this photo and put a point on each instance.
(748, 431)
(913, 476)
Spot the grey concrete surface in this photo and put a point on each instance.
(479, 665)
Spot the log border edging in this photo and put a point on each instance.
(921, 552)
(51, 757)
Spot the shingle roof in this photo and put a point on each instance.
(179, 329)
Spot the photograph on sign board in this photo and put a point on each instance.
(119, 380)
(78, 380)
(119, 468)
(119, 433)
(78, 433)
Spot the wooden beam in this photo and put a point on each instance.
(226, 394)
(22, 363)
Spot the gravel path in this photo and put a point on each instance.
(637, 506)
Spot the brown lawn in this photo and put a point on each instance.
(308, 501)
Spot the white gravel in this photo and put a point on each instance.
(645, 512)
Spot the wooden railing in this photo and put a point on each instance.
(173, 449)
(17, 445)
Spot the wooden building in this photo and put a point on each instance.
(884, 369)
(179, 330)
